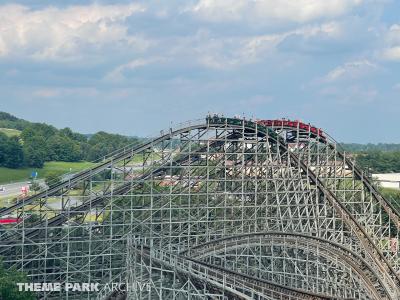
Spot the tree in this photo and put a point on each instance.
(8, 285)
(11, 154)
(38, 129)
(103, 143)
(379, 162)
(35, 186)
(35, 151)
(10, 121)
(62, 148)
(39, 143)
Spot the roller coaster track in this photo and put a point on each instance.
(334, 250)
(372, 257)
(388, 207)
(371, 248)
(88, 173)
(120, 190)
(393, 214)
(227, 279)
(376, 254)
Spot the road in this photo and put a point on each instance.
(14, 189)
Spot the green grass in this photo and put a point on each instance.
(7, 201)
(393, 195)
(58, 167)
(10, 132)
(55, 167)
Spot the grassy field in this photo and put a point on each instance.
(59, 167)
(10, 132)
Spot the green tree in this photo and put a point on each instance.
(103, 143)
(11, 154)
(73, 135)
(38, 129)
(8, 285)
(10, 121)
(35, 151)
(39, 143)
(35, 186)
(379, 161)
(62, 148)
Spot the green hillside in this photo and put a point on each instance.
(25, 145)
(8, 175)
(10, 132)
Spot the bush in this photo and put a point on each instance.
(8, 285)
(35, 186)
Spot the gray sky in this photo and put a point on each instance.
(132, 67)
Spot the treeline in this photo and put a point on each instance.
(353, 147)
(12, 122)
(379, 161)
(39, 143)
(376, 158)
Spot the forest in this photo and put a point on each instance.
(375, 158)
(37, 143)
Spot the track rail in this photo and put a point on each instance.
(217, 276)
(393, 213)
(121, 190)
(364, 237)
(337, 251)
(85, 174)
(387, 206)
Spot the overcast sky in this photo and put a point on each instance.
(132, 67)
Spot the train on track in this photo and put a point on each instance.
(314, 131)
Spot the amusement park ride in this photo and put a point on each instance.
(221, 208)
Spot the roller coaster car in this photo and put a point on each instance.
(215, 119)
(6, 220)
(291, 136)
(314, 131)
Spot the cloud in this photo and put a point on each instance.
(65, 33)
(350, 70)
(393, 35)
(224, 52)
(396, 87)
(56, 92)
(391, 51)
(351, 95)
(299, 11)
(118, 73)
(228, 53)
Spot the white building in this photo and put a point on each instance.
(388, 180)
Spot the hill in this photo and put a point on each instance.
(10, 132)
(11, 122)
(51, 168)
(25, 144)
